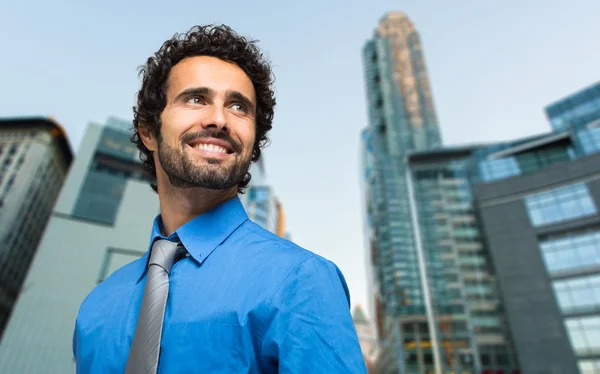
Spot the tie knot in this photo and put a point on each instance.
(165, 253)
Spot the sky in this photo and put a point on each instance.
(493, 66)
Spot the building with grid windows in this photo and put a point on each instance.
(474, 263)
(580, 108)
(539, 202)
(100, 222)
(435, 303)
(34, 159)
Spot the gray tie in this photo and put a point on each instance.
(145, 349)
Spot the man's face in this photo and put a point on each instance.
(208, 124)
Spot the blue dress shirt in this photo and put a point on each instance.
(244, 301)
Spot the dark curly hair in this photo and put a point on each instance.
(210, 40)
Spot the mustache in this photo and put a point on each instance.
(221, 135)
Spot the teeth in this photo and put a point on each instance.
(211, 148)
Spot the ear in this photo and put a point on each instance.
(147, 137)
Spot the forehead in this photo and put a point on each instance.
(211, 72)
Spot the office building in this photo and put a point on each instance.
(101, 221)
(580, 108)
(34, 159)
(260, 202)
(402, 120)
(539, 201)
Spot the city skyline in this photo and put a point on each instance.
(492, 74)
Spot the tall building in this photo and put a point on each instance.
(539, 201)
(261, 204)
(401, 119)
(580, 108)
(101, 221)
(34, 159)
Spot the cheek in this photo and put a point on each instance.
(247, 136)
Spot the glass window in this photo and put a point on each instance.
(589, 366)
(560, 204)
(574, 251)
(578, 294)
(492, 170)
(584, 333)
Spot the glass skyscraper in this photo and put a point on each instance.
(435, 301)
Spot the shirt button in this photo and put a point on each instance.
(187, 255)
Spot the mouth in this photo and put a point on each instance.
(211, 147)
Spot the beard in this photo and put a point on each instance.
(215, 174)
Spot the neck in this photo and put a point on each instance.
(178, 206)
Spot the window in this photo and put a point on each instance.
(589, 366)
(589, 140)
(571, 252)
(492, 170)
(580, 294)
(115, 258)
(584, 333)
(560, 204)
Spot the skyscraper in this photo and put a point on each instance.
(34, 159)
(401, 119)
(436, 304)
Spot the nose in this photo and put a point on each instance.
(216, 118)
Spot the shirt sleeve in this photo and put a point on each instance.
(309, 328)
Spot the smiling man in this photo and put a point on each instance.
(215, 293)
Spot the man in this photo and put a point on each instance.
(215, 293)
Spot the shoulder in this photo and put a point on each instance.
(296, 267)
(267, 244)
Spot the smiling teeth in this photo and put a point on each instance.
(211, 148)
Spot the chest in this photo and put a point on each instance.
(211, 324)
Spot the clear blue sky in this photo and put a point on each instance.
(493, 65)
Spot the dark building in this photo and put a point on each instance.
(34, 159)
(538, 201)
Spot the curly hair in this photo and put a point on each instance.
(214, 41)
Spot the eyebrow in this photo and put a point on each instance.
(238, 96)
(206, 91)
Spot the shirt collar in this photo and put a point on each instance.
(203, 234)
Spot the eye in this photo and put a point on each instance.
(239, 107)
(196, 100)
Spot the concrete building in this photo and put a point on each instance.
(34, 159)
(539, 202)
(101, 221)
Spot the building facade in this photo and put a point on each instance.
(101, 221)
(580, 108)
(539, 201)
(34, 159)
(401, 119)
(467, 330)
(261, 204)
